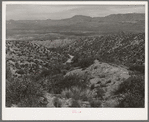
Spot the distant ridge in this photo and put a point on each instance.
(84, 16)
(114, 22)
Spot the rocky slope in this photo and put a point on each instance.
(101, 75)
(98, 76)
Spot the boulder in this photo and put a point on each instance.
(95, 80)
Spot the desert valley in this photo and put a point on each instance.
(80, 61)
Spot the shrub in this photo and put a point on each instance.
(23, 92)
(131, 84)
(56, 102)
(76, 93)
(100, 93)
(76, 58)
(60, 83)
(79, 94)
(20, 71)
(132, 100)
(45, 73)
(139, 68)
(133, 88)
(95, 103)
(86, 62)
(53, 70)
(67, 93)
(74, 103)
(8, 73)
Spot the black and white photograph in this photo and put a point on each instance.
(75, 56)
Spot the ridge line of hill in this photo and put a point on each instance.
(82, 16)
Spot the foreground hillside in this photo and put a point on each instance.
(106, 71)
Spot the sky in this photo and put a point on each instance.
(56, 12)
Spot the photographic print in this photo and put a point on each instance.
(75, 56)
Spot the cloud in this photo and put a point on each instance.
(32, 12)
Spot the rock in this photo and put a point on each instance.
(78, 72)
(109, 81)
(97, 85)
(43, 101)
(104, 80)
(56, 102)
(103, 85)
(111, 103)
(49, 99)
(95, 103)
(85, 104)
(14, 106)
(73, 103)
(95, 80)
(92, 86)
(96, 61)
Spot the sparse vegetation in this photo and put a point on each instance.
(86, 62)
(133, 88)
(57, 102)
(139, 68)
(76, 93)
(60, 83)
(95, 103)
(23, 92)
(33, 69)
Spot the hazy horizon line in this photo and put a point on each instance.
(71, 17)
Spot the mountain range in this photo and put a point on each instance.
(132, 22)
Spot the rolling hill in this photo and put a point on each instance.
(106, 69)
(133, 22)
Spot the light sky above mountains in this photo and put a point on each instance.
(42, 12)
